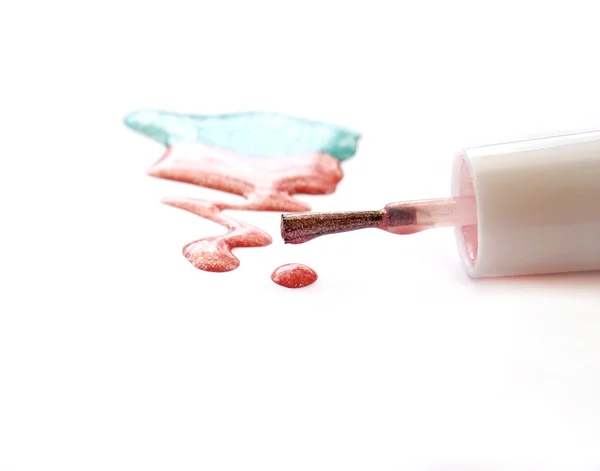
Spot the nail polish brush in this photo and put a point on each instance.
(518, 208)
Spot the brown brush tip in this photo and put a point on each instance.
(297, 228)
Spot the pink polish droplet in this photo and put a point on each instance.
(294, 275)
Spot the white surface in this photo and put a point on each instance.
(537, 205)
(116, 354)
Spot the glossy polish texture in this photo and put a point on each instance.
(214, 253)
(294, 275)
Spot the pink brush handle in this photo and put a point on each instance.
(414, 216)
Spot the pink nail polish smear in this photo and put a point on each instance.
(294, 275)
(266, 184)
(215, 253)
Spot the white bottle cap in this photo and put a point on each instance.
(538, 206)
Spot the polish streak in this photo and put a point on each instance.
(265, 183)
(294, 275)
(214, 253)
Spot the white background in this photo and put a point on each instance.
(116, 354)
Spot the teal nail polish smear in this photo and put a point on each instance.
(257, 134)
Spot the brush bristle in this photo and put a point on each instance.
(297, 228)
